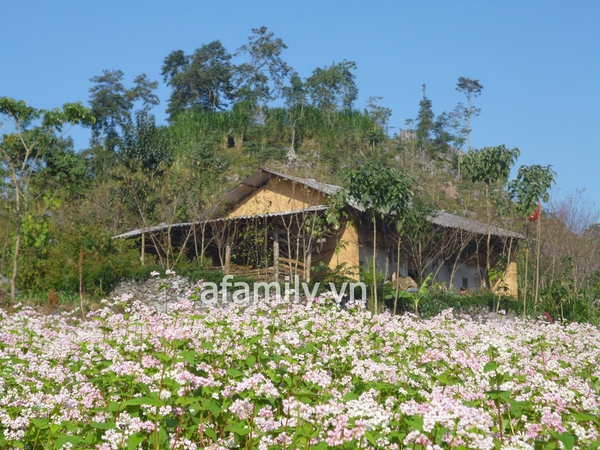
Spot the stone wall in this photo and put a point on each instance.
(162, 293)
(158, 292)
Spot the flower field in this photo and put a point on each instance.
(284, 376)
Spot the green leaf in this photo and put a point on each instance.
(40, 423)
(67, 439)
(234, 373)
(211, 406)
(189, 356)
(134, 441)
(210, 433)
(104, 425)
(568, 440)
(237, 429)
(492, 365)
(143, 401)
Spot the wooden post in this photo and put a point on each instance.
(276, 253)
(143, 258)
(227, 267)
(308, 262)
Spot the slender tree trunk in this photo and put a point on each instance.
(374, 264)
(81, 283)
(397, 273)
(15, 272)
(489, 235)
(13, 278)
(537, 260)
(525, 287)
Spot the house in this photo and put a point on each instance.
(273, 226)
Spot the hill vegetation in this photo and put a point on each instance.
(229, 114)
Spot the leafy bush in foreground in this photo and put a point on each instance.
(281, 375)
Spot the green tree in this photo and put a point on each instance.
(112, 104)
(333, 88)
(490, 166)
(145, 145)
(202, 80)
(32, 132)
(384, 193)
(425, 125)
(295, 100)
(470, 88)
(262, 77)
(528, 190)
(63, 171)
(380, 114)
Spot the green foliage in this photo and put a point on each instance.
(64, 171)
(53, 263)
(462, 114)
(379, 189)
(261, 78)
(333, 88)
(202, 80)
(112, 104)
(531, 186)
(490, 164)
(324, 276)
(411, 297)
(145, 146)
(433, 303)
(384, 193)
(264, 154)
(32, 132)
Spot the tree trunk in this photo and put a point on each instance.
(537, 260)
(81, 283)
(13, 278)
(525, 287)
(397, 273)
(489, 236)
(374, 301)
(15, 272)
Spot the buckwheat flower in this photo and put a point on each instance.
(164, 410)
(242, 408)
(164, 394)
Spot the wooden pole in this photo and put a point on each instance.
(276, 253)
(227, 267)
(143, 246)
(308, 263)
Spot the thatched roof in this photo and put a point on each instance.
(262, 176)
(448, 220)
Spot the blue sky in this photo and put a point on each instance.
(539, 61)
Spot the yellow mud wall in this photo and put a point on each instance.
(511, 280)
(346, 243)
(348, 251)
(278, 196)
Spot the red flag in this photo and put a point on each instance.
(536, 214)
